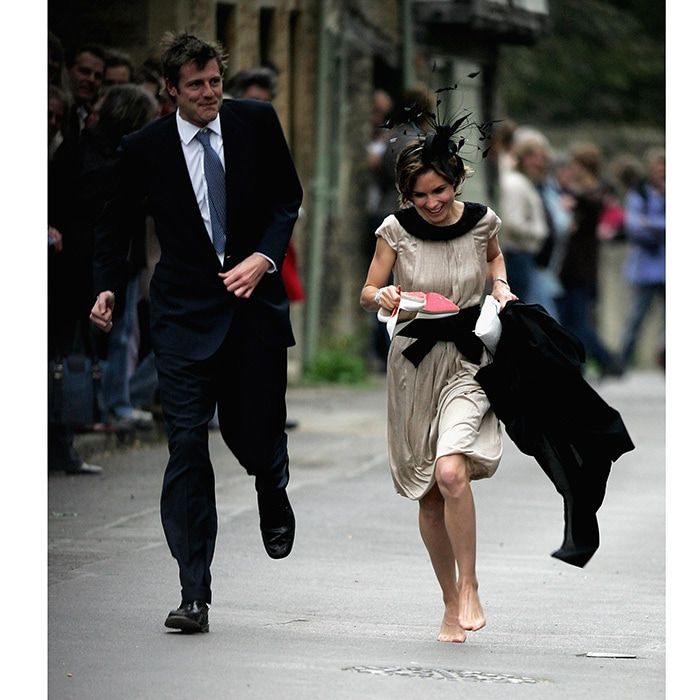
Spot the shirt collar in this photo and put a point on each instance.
(188, 131)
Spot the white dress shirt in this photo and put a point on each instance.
(194, 157)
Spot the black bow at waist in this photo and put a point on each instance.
(458, 329)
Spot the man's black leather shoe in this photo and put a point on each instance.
(192, 616)
(277, 523)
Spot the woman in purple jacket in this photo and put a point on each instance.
(645, 267)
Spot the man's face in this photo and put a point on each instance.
(199, 93)
(117, 75)
(86, 76)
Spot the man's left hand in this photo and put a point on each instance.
(243, 279)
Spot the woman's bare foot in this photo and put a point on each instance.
(471, 614)
(451, 630)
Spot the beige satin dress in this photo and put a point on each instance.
(438, 408)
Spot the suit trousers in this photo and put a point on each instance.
(247, 381)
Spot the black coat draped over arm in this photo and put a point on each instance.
(537, 389)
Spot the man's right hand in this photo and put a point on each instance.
(101, 314)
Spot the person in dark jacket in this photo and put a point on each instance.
(220, 324)
(579, 267)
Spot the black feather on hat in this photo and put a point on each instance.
(445, 138)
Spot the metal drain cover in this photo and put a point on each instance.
(443, 674)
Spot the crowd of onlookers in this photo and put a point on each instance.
(558, 207)
(95, 97)
(557, 210)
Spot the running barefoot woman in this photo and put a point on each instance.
(442, 432)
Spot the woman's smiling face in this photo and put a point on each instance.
(434, 198)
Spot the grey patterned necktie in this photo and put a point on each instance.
(216, 186)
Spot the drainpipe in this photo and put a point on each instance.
(409, 53)
(319, 188)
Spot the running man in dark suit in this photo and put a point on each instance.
(219, 181)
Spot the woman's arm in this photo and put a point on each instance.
(373, 293)
(497, 272)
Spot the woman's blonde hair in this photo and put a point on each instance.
(410, 166)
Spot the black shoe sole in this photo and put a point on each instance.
(275, 554)
(185, 624)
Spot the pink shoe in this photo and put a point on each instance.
(437, 306)
(414, 305)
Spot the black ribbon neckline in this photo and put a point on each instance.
(417, 226)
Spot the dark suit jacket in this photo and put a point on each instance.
(191, 311)
(537, 390)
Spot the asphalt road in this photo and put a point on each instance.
(353, 613)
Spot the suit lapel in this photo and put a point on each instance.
(237, 145)
(176, 170)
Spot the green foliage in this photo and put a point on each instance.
(339, 362)
(600, 61)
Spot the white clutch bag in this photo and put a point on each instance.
(488, 325)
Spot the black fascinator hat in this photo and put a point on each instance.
(442, 138)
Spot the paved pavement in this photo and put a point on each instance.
(354, 611)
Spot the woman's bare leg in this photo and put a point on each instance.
(452, 475)
(431, 521)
